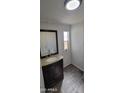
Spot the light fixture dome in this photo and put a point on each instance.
(72, 4)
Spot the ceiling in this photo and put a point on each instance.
(53, 11)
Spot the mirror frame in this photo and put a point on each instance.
(55, 31)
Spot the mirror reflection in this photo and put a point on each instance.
(48, 42)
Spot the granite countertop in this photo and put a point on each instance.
(50, 60)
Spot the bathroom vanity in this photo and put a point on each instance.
(52, 70)
(51, 61)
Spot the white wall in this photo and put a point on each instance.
(60, 28)
(77, 45)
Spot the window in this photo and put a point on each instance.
(66, 40)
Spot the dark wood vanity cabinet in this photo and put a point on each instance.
(53, 73)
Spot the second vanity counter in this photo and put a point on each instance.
(50, 60)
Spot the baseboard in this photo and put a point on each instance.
(67, 65)
(78, 67)
(75, 66)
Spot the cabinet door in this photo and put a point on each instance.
(59, 70)
(48, 73)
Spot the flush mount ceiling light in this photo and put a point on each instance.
(72, 4)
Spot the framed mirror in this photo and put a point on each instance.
(48, 43)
